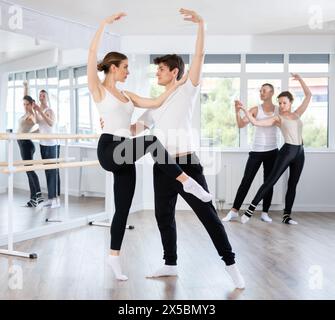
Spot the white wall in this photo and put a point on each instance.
(230, 44)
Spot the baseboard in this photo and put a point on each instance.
(54, 228)
(314, 208)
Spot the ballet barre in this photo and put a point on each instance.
(31, 162)
(11, 167)
(50, 166)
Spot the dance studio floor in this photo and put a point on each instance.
(278, 262)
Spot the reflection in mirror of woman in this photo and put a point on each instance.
(50, 149)
(27, 124)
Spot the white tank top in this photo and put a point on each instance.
(24, 125)
(266, 138)
(116, 115)
(292, 130)
(44, 128)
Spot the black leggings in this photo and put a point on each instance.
(289, 156)
(118, 155)
(27, 150)
(255, 160)
(166, 194)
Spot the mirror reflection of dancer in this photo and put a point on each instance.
(116, 151)
(264, 152)
(291, 155)
(174, 121)
(27, 150)
(46, 120)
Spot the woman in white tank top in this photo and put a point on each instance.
(291, 155)
(27, 149)
(46, 120)
(264, 152)
(117, 152)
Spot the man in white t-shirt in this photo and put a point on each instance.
(172, 124)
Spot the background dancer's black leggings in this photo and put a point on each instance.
(27, 150)
(118, 155)
(255, 160)
(289, 156)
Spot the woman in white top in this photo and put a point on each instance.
(27, 150)
(117, 152)
(291, 155)
(46, 120)
(264, 152)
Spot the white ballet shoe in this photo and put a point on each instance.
(114, 262)
(165, 271)
(292, 222)
(236, 276)
(265, 217)
(231, 215)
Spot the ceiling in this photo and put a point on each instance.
(161, 17)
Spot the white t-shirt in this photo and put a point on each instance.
(172, 122)
(44, 128)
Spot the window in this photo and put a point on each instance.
(80, 74)
(315, 119)
(41, 79)
(84, 125)
(260, 69)
(64, 78)
(309, 63)
(18, 95)
(52, 77)
(265, 63)
(215, 63)
(88, 119)
(218, 124)
(64, 111)
(10, 110)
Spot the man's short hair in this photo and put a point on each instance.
(172, 61)
(269, 85)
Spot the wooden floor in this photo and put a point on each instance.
(277, 261)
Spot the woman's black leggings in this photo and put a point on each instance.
(118, 155)
(289, 156)
(27, 150)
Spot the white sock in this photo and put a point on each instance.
(244, 219)
(236, 276)
(230, 216)
(293, 222)
(114, 262)
(193, 187)
(165, 271)
(265, 217)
